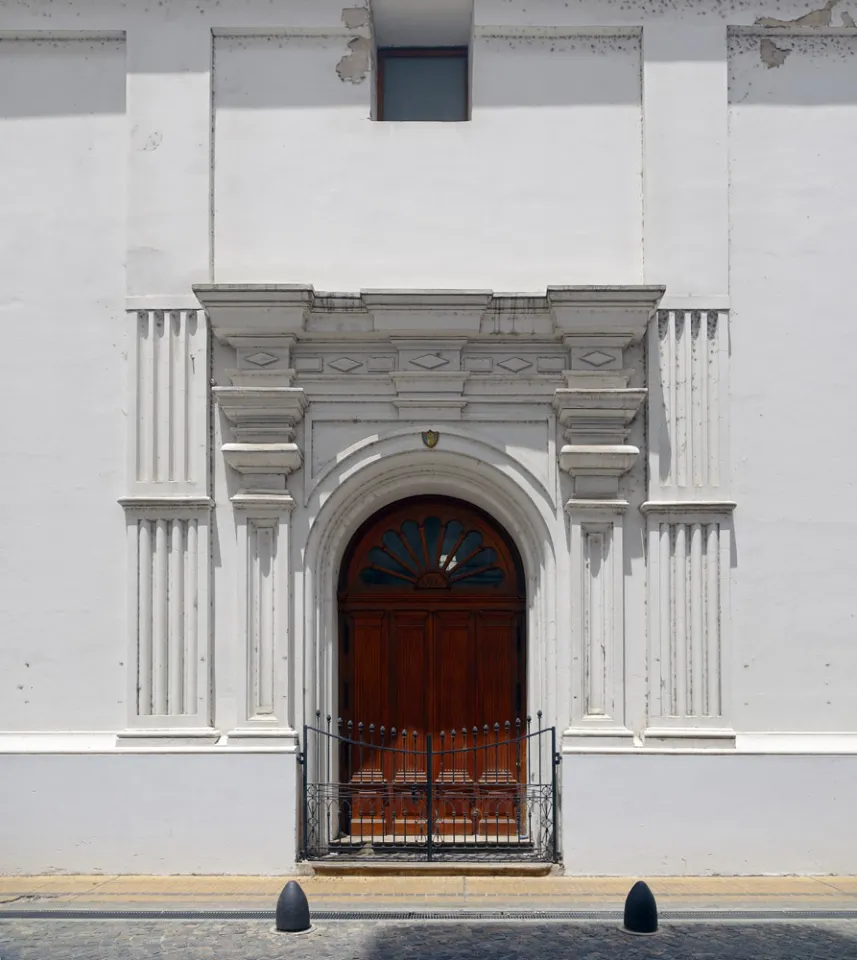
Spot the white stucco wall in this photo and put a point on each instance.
(793, 131)
(611, 143)
(62, 287)
(353, 204)
(151, 813)
(713, 815)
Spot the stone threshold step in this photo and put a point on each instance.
(392, 868)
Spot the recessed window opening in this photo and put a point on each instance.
(423, 84)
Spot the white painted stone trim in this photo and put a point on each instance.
(263, 629)
(80, 743)
(168, 660)
(688, 405)
(597, 621)
(689, 623)
(168, 397)
(280, 309)
(399, 466)
(146, 742)
(175, 301)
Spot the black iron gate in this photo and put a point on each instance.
(467, 794)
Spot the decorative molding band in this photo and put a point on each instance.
(168, 661)
(699, 738)
(189, 506)
(175, 301)
(797, 743)
(263, 504)
(689, 403)
(595, 509)
(169, 399)
(156, 736)
(705, 303)
(688, 614)
(264, 310)
(503, 32)
(153, 742)
(676, 509)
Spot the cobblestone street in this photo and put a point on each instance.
(240, 940)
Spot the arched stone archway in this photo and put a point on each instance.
(397, 467)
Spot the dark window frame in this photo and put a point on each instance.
(383, 54)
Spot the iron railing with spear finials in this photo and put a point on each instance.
(465, 793)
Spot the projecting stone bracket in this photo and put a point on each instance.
(596, 425)
(264, 451)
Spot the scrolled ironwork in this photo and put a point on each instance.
(459, 798)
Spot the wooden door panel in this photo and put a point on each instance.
(432, 602)
(452, 670)
(368, 680)
(497, 659)
(409, 668)
(453, 690)
(497, 665)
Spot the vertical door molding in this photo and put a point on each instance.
(598, 622)
(263, 627)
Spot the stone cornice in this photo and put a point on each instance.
(264, 310)
(154, 506)
(246, 405)
(688, 507)
(263, 503)
(581, 507)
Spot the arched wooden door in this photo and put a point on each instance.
(431, 608)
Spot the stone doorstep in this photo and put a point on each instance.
(394, 869)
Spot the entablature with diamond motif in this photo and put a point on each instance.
(429, 350)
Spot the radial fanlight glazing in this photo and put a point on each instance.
(431, 554)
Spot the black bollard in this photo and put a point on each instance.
(641, 911)
(292, 909)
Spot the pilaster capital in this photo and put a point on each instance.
(596, 424)
(264, 421)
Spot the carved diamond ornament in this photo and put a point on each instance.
(262, 359)
(345, 364)
(430, 361)
(597, 358)
(515, 364)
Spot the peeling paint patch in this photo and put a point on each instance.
(822, 17)
(154, 141)
(848, 20)
(355, 18)
(772, 55)
(354, 66)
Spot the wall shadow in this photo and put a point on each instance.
(231, 940)
(833, 940)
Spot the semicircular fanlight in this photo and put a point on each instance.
(432, 555)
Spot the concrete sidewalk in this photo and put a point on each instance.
(382, 893)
